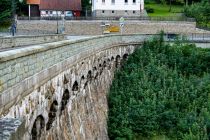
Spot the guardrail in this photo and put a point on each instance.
(157, 18)
(193, 37)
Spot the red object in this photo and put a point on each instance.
(76, 13)
(61, 5)
(33, 1)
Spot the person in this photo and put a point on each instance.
(13, 29)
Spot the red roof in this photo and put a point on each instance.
(33, 1)
(61, 5)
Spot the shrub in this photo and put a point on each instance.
(149, 10)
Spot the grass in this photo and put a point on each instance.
(4, 26)
(163, 10)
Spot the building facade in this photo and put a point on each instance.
(116, 8)
(52, 8)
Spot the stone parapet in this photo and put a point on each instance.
(93, 27)
(17, 41)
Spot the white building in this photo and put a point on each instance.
(125, 8)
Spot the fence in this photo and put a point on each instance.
(157, 18)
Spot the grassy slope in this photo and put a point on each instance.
(163, 10)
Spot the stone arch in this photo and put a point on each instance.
(75, 86)
(52, 114)
(117, 63)
(104, 64)
(65, 80)
(112, 58)
(95, 72)
(108, 64)
(89, 75)
(100, 69)
(125, 57)
(83, 77)
(65, 99)
(38, 128)
(85, 85)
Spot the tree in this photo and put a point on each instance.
(5, 9)
(199, 11)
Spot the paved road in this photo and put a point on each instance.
(70, 37)
(74, 38)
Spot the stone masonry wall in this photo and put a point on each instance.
(94, 27)
(59, 88)
(17, 41)
(73, 104)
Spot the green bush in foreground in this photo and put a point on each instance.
(162, 90)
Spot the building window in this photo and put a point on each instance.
(126, 11)
(103, 1)
(103, 11)
(134, 1)
(126, 1)
(113, 1)
(134, 12)
(112, 11)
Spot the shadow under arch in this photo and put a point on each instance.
(89, 75)
(75, 86)
(125, 57)
(38, 128)
(52, 114)
(117, 63)
(65, 99)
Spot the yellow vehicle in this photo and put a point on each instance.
(112, 28)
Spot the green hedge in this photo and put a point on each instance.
(162, 89)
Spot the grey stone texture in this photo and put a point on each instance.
(17, 41)
(46, 71)
(93, 27)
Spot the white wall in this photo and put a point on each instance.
(119, 5)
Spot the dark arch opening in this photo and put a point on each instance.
(117, 64)
(65, 80)
(95, 72)
(89, 75)
(86, 83)
(125, 56)
(112, 58)
(65, 99)
(37, 128)
(75, 86)
(104, 64)
(52, 114)
(83, 77)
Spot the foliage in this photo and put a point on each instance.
(163, 10)
(6, 10)
(162, 89)
(199, 11)
(149, 9)
(86, 4)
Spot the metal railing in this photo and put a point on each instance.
(157, 18)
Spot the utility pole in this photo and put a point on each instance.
(57, 20)
(13, 18)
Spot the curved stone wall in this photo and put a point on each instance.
(62, 86)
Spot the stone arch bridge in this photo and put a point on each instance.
(57, 91)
